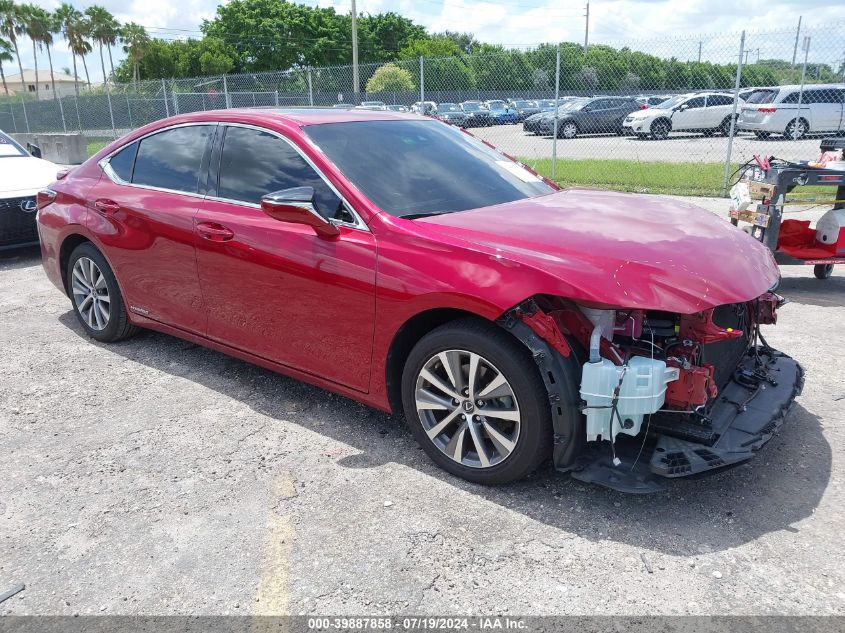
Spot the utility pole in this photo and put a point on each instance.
(587, 27)
(797, 34)
(699, 51)
(355, 79)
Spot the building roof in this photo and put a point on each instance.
(43, 75)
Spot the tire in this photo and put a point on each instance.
(762, 135)
(568, 129)
(725, 127)
(660, 130)
(823, 271)
(96, 297)
(521, 442)
(796, 129)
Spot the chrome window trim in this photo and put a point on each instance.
(108, 171)
(358, 223)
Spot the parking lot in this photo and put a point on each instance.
(158, 477)
(678, 148)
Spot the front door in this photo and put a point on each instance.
(143, 216)
(278, 290)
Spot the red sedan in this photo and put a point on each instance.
(403, 263)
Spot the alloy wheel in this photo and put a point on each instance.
(468, 408)
(91, 293)
(569, 130)
(796, 129)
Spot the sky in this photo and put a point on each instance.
(663, 27)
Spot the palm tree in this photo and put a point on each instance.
(82, 45)
(5, 56)
(104, 30)
(35, 24)
(136, 43)
(10, 19)
(68, 18)
(53, 26)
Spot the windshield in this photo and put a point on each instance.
(496, 105)
(671, 102)
(574, 104)
(762, 96)
(423, 167)
(448, 107)
(8, 147)
(524, 104)
(471, 107)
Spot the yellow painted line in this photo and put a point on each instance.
(273, 591)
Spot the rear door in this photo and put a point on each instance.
(717, 108)
(825, 108)
(143, 217)
(276, 289)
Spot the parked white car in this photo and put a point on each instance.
(706, 112)
(777, 110)
(21, 177)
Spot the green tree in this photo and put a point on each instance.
(136, 44)
(104, 31)
(35, 24)
(390, 78)
(5, 56)
(389, 33)
(68, 18)
(437, 46)
(10, 27)
(465, 42)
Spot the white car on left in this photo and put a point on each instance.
(22, 176)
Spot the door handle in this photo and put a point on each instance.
(106, 207)
(214, 232)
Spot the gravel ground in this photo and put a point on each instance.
(678, 148)
(157, 477)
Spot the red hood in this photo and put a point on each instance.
(624, 250)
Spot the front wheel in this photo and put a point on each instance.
(660, 130)
(96, 297)
(476, 403)
(823, 271)
(569, 130)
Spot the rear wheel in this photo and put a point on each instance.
(475, 402)
(660, 130)
(796, 129)
(96, 297)
(823, 271)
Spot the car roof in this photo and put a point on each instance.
(299, 116)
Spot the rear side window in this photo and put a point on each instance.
(719, 100)
(762, 96)
(823, 95)
(123, 162)
(173, 159)
(254, 163)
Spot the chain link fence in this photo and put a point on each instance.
(664, 115)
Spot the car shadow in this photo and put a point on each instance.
(22, 257)
(778, 489)
(807, 290)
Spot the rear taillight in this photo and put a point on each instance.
(643, 106)
(62, 174)
(44, 197)
(768, 110)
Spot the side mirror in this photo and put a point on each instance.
(683, 107)
(33, 150)
(296, 205)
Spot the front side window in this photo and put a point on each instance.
(254, 163)
(172, 159)
(413, 168)
(697, 102)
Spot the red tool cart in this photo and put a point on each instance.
(765, 184)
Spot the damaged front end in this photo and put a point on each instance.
(657, 393)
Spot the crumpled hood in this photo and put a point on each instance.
(25, 175)
(624, 250)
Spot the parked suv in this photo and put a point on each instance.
(777, 110)
(707, 112)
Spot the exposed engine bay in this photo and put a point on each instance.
(659, 393)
